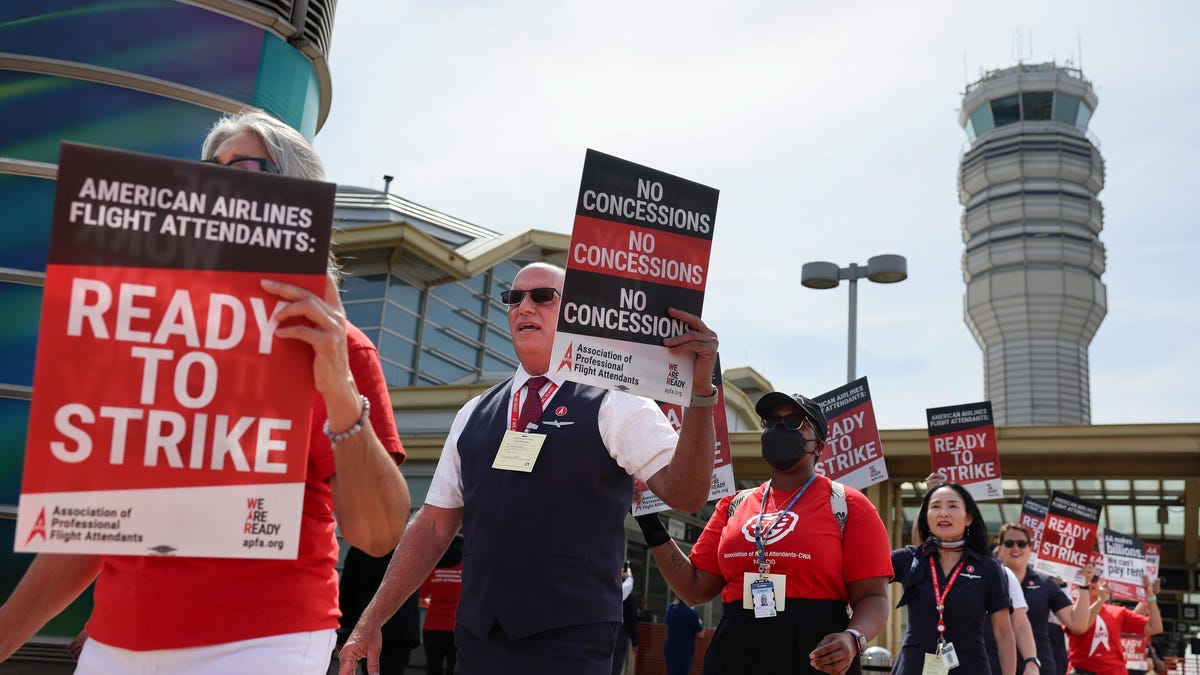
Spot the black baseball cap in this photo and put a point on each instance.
(808, 407)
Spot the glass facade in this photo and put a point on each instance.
(446, 334)
(1029, 106)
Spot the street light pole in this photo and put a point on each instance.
(883, 269)
(852, 322)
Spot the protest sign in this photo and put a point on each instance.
(644, 499)
(1153, 556)
(1124, 565)
(166, 417)
(640, 244)
(1134, 648)
(962, 448)
(1033, 517)
(1069, 536)
(853, 454)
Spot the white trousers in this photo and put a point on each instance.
(299, 653)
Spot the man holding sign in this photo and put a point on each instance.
(195, 615)
(538, 471)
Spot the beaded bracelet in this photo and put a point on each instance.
(334, 439)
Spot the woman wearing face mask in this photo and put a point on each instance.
(786, 568)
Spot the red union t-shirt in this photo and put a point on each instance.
(1099, 649)
(147, 603)
(807, 546)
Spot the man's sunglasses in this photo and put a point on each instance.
(1020, 543)
(260, 164)
(539, 295)
(791, 422)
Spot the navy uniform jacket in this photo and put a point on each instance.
(981, 588)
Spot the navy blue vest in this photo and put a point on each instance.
(544, 549)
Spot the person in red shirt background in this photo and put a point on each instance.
(439, 595)
(1098, 650)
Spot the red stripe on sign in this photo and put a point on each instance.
(620, 250)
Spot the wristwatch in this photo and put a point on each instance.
(1035, 660)
(859, 639)
(704, 401)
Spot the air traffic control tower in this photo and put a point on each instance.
(1031, 224)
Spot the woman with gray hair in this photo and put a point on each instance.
(210, 615)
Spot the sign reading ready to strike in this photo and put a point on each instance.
(854, 455)
(166, 417)
(962, 448)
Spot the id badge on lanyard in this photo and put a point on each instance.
(945, 650)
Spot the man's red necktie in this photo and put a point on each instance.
(531, 411)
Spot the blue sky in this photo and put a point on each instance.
(831, 132)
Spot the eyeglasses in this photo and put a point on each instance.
(539, 295)
(260, 164)
(1020, 543)
(790, 422)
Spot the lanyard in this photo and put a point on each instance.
(939, 597)
(516, 404)
(763, 567)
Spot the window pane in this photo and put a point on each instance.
(440, 368)
(981, 119)
(476, 283)
(399, 320)
(1174, 526)
(14, 422)
(365, 315)
(1061, 485)
(1084, 116)
(396, 349)
(1066, 107)
(1037, 104)
(970, 130)
(403, 294)
(1120, 518)
(1089, 489)
(1006, 110)
(367, 287)
(452, 344)
(443, 315)
(491, 364)
(1035, 488)
(457, 295)
(21, 307)
(991, 516)
(395, 375)
(28, 203)
(1147, 521)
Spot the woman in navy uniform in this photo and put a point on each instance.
(952, 570)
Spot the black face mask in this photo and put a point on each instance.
(783, 449)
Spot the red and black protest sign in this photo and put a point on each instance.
(853, 452)
(166, 416)
(640, 244)
(962, 448)
(1153, 557)
(1033, 517)
(644, 499)
(1068, 537)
